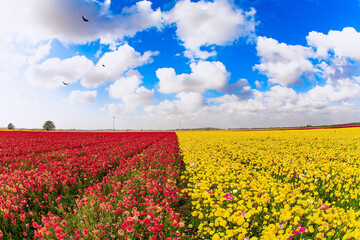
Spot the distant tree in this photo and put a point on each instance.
(11, 126)
(49, 125)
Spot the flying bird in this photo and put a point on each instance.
(65, 83)
(103, 65)
(85, 20)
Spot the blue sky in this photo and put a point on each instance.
(161, 64)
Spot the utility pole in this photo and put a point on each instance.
(113, 123)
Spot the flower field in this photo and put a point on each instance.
(301, 184)
(66, 185)
(290, 184)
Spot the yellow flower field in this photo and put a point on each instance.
(289, 184)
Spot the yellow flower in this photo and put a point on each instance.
(280, 177)
(216, 237)
(223, 223)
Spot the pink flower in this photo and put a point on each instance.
(280, 226)
(295, 232)
(228, 196)
(323, 206)
(302, 229)
(242, 214)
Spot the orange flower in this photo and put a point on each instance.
(120, 232)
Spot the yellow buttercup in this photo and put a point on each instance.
(273, 184)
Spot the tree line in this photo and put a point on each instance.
(48, 126)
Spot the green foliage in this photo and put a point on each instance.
(10, 126)
(49, 126)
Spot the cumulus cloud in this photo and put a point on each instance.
(52, 72)
(273, 107)
(258, 84)
(341, 43)
(284, 100)
(82, 96)
(116, 63)
(61, 19)
(15, 55)
(344, 89)
(130, 92)
(111, 109)
(163, 109)
(189, 102)
(336, 68)
(204, 75)
(124, 58)
(40, 52)
(186, 103)
(205, 23)
(283, 64)
(337, 53)
(240, 88)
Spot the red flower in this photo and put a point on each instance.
(64, 223)
(146, 221)
(129, 229)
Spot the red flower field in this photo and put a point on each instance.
(83, 185)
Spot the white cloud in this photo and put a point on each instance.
(40, 52)
(283, 100)
(15, 55)
(336, 68)
(105, 8)
(186, 104)
(111, 108)
(344, 89)
(130, 92)
(281, 63)
(240, 88)
(82, 96)
(206, 23)
(124, 58)
(43, 20)
(165, 108)
(116, 63)
(258, 84)
(279, 106)
(52, 72)
(205, 75)
(125, 86)
(338, 53)
(342, 43)
(189, 102)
